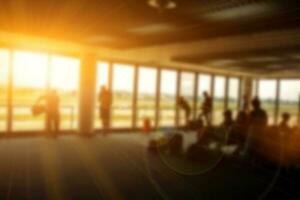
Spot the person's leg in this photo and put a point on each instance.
(186, 118)
(48, 123)
(104, 121)
(108, 119)
(209, 118)
(56, 121)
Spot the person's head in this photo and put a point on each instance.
(242, 116)
(285, 117)
(205, 94)
(53, 92)
(256, 103)
(103, 88)
(227, 115)
(180, 99)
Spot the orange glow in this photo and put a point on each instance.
(34, 69)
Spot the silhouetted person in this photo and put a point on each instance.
(184, 105)
(284, 124)
(240, 127)
(105, 100)
(206, 108)
(258, 117)
(176, 145)
(228, 120)
(52, 111)
(241, 124)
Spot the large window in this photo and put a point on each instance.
(4, 65)
(289, 99)
(187, 92)
(204, 85)
(146, 95)
(102, 80)
(29, 82)
(219, 98)
(267, 95)
(168, 97)
(123, 82)
(254, 88)
(233, 94)
(64, 77)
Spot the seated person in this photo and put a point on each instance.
(228, 120)
(176, 145)
(240, 127)
(258, 118)
(284, 124)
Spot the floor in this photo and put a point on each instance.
(120, 167)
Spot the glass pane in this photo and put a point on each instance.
(4, 64)
(204, 85)
(267, 95)
(29, 81)
(219, 95)
(146, 95)
(102, 80)
(187, 86)
(64, 77)
(233, 94)
(168, 97)
(289, 99)
(123, 80)
(254, 88)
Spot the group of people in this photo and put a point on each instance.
(50, 104)
(254, 120)
(206, 109)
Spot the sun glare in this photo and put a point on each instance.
(37, 70)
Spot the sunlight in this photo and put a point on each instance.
(29, 69)
(34, 70)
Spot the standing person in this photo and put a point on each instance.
(183, 104)
(206, 108)
(52, 102)
(105, 100)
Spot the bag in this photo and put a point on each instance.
(38, 109)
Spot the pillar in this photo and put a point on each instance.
(88, 77)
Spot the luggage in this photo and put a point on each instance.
(38, 109)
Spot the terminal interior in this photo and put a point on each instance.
(148, 53)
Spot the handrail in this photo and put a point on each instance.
(70, 108)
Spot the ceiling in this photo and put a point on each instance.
(131, 25)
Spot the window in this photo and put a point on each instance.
(254, 88)
(102, 80)
(4, 66)
(267, 95)
(29, 82)
(187, 86)
(219, 97)
(168, 97)
(233, 94)
(289, 99)
(204, 85)
(64, 77)
(123, 82)
(146, 95)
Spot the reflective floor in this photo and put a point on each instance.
(120, 167)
